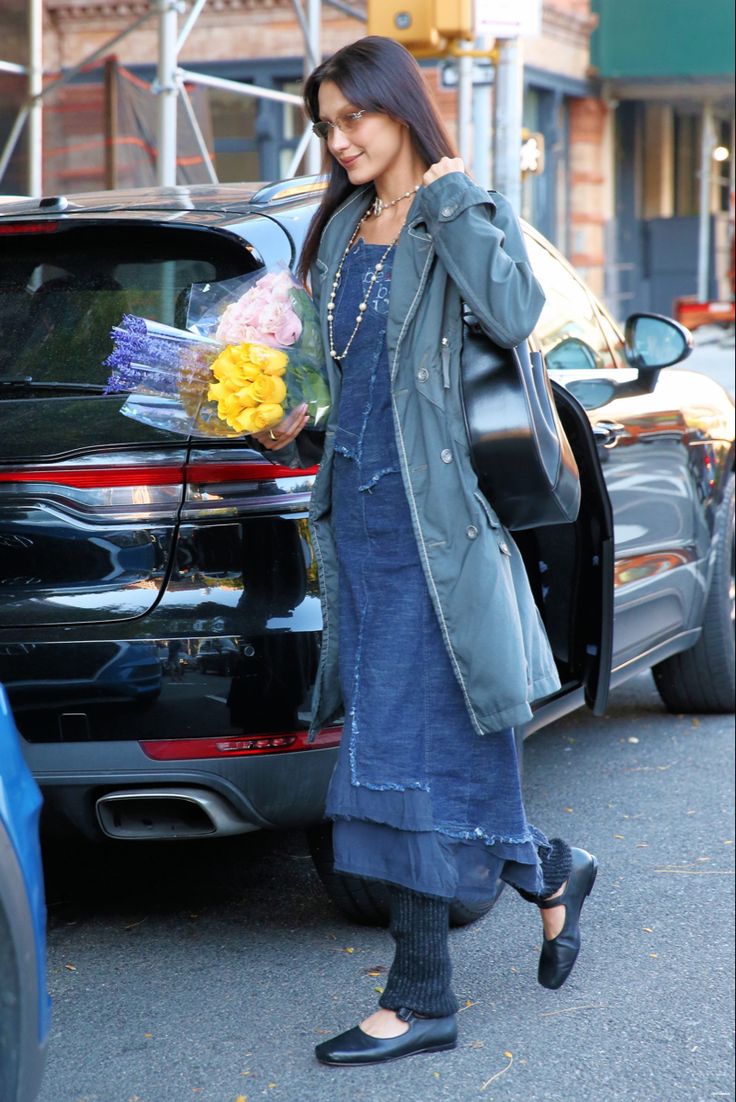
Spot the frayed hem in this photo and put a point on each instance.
(413, 787)
(376, 478)
(480, 835)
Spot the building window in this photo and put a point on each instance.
(237, 156)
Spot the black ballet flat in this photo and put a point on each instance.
(355, 1048)
(560, 953)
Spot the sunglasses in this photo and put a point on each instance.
(346, 124)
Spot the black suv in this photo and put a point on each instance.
(159, 607)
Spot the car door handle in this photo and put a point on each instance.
(607, 433)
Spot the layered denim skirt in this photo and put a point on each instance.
(418, 797)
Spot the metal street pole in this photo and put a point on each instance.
(465, 110)
(482, 127)
(35, 87)
(167, 90)
(509, 101)
(707, 142)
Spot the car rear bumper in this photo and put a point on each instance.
(271, 790)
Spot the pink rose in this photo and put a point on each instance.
(264, 314)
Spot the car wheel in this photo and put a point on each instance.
(366, 901)
(703, 679)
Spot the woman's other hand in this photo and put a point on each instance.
(442, 168)
(278, 436)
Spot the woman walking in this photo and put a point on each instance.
(431, 638)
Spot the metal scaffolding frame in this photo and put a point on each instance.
(169, 85)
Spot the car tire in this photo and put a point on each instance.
(702, 679)
(365, 901)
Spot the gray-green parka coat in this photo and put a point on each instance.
(458, 244)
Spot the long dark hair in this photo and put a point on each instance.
(375, 74)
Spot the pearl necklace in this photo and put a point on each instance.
(364, 304)
(378, 205)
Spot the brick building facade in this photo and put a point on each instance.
(259, 41)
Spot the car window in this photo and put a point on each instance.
(568, 330)
(61, 293)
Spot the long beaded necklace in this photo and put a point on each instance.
(375, 209)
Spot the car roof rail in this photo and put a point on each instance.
(299, 187)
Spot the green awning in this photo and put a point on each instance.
(664, 40)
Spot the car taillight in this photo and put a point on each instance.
(229, 746)
(93, 478)
(242, 472)
(28, 227)
(194, 473)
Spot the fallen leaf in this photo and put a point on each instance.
(568, 809)
(632, 738)
(148, 1035)
(647, 929)
(436, 1074)
(642, 845)
(695, 721)
(622, 836)
(728, 841)
(376, 970)
(242, 1098)
(70, 967)
(652, 954)
(378, 990)
(349, 949)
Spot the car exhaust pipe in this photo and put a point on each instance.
(167, 813)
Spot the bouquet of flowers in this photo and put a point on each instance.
(250, 353)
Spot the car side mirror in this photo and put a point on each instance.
(654, 341)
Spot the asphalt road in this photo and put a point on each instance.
(208, 972)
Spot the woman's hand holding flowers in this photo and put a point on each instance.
(278, 436)
(442, 168)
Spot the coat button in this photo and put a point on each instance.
(471, 532)
(422, 374)
(446, 455)
(447, 212)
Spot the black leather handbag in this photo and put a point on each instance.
(518, 448)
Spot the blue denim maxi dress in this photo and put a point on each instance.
(418, 797)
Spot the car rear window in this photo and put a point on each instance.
(61, 293)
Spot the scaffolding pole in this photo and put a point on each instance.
(166, 88)
(35, 103)
(314, 50)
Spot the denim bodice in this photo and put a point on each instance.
(365, 431)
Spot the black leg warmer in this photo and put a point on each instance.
(556, 867)
(421, 971)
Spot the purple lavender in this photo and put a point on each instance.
(144, 358)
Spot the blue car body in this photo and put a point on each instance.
(24, 1003)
